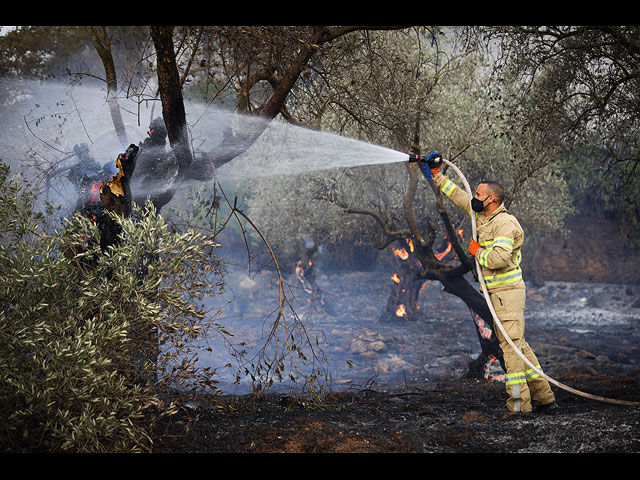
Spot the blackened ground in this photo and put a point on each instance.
(587, 336)
(452, 416)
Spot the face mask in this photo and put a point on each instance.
(478, 205)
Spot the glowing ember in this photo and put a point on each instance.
(401, 252)
(95, 192)
(485, 330)
(395, 278)
(440, 255)
(410, 243)
(493, 364)
(401, 311)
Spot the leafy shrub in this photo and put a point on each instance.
(89, 340)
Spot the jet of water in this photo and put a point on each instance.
(285, 149)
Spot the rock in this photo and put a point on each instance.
(378, 346)
(357, 346)
(393, 364)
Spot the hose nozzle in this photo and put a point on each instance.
(414, 158)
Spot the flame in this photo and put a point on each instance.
(410, 243)
(492, 376)
(401, 252)
(395, 278)
(401, 311)
(485, 331)
(460, 232)
(95, 191)
(444, 252)
(115, 185)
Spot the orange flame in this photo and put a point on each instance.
(395, 278)
(401, 252)
(485, 330)
(410, 243)
(400, 311)
(443, 253)
(95, 192)
(492, 376)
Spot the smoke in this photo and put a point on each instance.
(43, 122)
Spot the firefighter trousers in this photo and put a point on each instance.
(523, 384)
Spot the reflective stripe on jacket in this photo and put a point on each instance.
(500, 237)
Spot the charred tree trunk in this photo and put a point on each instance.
(483, 321)
(402, 304)
(173, 111)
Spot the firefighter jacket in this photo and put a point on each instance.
(500, 237)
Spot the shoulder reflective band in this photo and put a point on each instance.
(447, 187)
(503, 278)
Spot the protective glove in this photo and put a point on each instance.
(434, 160)
(473, 247)
(431, 164)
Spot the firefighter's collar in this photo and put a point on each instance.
(498, 210)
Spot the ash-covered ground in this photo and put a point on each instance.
(597, 323)
(400, 387)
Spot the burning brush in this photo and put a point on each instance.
(112, 196)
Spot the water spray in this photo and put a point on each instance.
(422, 161)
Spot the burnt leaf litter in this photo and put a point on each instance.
(586, 336)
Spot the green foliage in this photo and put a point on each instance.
(90, 339)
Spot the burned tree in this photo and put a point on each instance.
(406, 287)
(429, 263)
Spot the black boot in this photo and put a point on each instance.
(548, 409)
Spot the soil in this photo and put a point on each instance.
(586, 335)
(456, 416)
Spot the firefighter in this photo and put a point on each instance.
(497, 250)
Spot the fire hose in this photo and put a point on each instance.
(496, 320)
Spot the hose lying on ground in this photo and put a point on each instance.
(499, 325)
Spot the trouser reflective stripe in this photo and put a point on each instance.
(515, 380)
(518, 377)
(531, 373)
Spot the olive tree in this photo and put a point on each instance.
(423, 96)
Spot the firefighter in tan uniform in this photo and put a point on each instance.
(497, 250)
